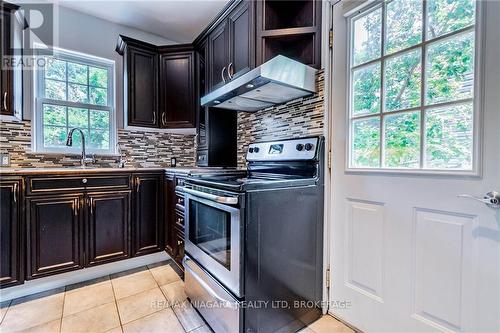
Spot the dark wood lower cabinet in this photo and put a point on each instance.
(174, 221)
(108, 227)
(148, 215)
(11, 234)
(55, 229)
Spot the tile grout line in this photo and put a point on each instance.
(8, 308)
(116, 302)
(62, 311)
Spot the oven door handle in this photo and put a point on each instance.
(212, 197)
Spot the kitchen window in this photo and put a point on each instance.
(413, 85)
(74, 90)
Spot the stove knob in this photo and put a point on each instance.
(256, 149)
(309, 146)
(250, 150)
(299, 147)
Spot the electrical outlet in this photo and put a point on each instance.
(4, 159)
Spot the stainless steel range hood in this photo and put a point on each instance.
(277, 81)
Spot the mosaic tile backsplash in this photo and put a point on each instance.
(141, 149)
(297, 118)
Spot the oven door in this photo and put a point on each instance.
(213, 237)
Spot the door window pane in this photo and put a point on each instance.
(210, 231)
(449, 137)
(365, 149)
(450, 69)
(367, 34)
(404, 24)
(366, 90)
(402, 81)
(402, 140)
(446, 16)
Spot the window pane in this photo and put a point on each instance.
(402, 81)
(55, 90)
(446, 16)
(449, 133)
(56, 69)
(99, 119)
(450, 69)
(99, 139)
(404, 24)
(54, 115)
(98, 77)
(77, 73)
(366, 90)
(77, 93)
(78, 118)
(98, 96)
(367, 33)
(365, 149)
(54, 136)
(402, 140)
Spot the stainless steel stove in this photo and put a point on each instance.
(256, 237)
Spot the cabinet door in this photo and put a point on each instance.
(170, 214)
(55, 229)
(148, 221)
(142, 87)
(218, 57)
(241, 39)
(178, 89)
(108, 227)
(11, 265)
(6, 76)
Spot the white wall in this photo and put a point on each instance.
(88, 34)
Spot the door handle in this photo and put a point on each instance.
(5, 101)
(15, 192)
(163, 119)
(154, 116)
(138, 182)
(230, 71)
(212, 197)
(222, 75)
(491, 199)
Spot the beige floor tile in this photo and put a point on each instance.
(115, 330)
(164, 274)
(132, 282)
(307, 330)
(50, 327)
(174, 292)
(34, 310)
(328, 324)
(87, 297)
(140, 305)
(3, 309)
(187, 315)
(163, 321)
(202, 329)
(87, 284)
(95, 320)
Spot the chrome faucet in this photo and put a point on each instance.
(69, 142)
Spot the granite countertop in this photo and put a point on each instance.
(96, 170)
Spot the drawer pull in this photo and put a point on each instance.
(16, 190)
(84, 180)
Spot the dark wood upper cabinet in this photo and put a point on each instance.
(108, 227)
(241, 39)
(148, 215)
(55, 229)
(11, 234)
(140, 82)
(178, 87)
(218, 56)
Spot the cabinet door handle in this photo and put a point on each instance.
(230, 71)
(75, 207)
(138, 183)
(15, 192)
(91, 204)
(5, 101)
(154, 116)
(163, 119)
(222, 75)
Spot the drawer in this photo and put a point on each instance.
(41, 185)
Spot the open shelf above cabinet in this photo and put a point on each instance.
(288, 14)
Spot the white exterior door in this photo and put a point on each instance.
(407, 254)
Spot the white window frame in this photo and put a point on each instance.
(39, 86)
(477, 99)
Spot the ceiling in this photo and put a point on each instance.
(177, 20)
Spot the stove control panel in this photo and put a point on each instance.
(284, 150)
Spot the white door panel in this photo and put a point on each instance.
(406, 252)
